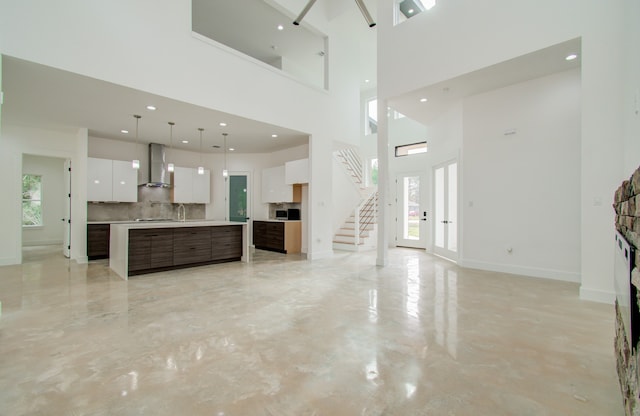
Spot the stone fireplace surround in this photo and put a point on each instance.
(627, 207)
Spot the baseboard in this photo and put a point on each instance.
(9, 261)
(521, 270)
(597, 295)
(41, 243)
(319, 255)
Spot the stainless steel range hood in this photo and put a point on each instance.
(158, 175)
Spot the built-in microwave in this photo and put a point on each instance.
(281, 214)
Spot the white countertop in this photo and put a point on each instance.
(174, 224)
(274, 220)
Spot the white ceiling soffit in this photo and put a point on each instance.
(526, 67)
(39, 95)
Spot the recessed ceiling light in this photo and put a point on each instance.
(366, 80)
(274, 135)
(151, 107)
(410, 11)
(231, 149)
(280, 27)
(423, 100)
(124, 131)
(185, 141)
(223, 124)
(571, 57)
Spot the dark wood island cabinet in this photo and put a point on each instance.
(157, 249)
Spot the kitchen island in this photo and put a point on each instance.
(138, 248)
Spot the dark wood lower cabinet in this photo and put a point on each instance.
(191, 245)
(157, 249)
(98, 241)
(268, 235)
(226, 242)
(150, 249)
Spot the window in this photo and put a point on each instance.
(371, 116)
(411, 149)
(374, 171)
(406, 9)
(31, 200)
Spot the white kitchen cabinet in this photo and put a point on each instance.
(274, 188)
(111, 181)
(189, 187)
(125, 181)
(202, 187)
(296, 171)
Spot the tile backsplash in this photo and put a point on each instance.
(152, 203)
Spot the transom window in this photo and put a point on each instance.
(411, 149)
(406, 9)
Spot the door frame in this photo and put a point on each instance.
(423, 241)
(444, 252)
(66, 240)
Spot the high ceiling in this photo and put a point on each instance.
(45, 96)
(441, 95)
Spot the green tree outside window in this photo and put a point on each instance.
(31, 200)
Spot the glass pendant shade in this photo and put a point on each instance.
(170, 166)
(200, 168)
(135, 163)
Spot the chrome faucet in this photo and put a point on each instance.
(182, 215)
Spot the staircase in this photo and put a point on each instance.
(352, 163)
(358, 231)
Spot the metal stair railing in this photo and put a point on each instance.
(365, 215)
(353, 164)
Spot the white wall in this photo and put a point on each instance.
(631, 82)
(501, 30)
(522, 191)
(119, 41)
(63, 143)
(53, 198)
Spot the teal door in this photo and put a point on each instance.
(238, 198)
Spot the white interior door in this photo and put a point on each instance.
(446, 210)
(66, 248)
(411, 218)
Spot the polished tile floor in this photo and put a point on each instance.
(284, 336)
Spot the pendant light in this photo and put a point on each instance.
(201, 168)
(135, 163)
(225, 172)
(170, 166)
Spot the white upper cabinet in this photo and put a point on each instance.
(125, 180)
(111, 181)
(201, 187)
(296, 171)
(274, 188)
(191, 188)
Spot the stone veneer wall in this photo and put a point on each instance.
(627, 207)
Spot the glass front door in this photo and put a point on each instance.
(411, 211)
